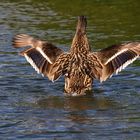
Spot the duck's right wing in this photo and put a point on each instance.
(41, 55)
(117, 57)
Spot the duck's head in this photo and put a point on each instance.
(80, 38)
(77, 84)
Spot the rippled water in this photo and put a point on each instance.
(31, 107)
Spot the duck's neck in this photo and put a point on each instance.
(80, 41)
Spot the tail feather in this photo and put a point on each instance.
(23, 40)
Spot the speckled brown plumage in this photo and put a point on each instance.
(80, 66)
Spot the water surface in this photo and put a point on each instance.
(32, 107)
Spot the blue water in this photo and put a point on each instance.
(32, 107)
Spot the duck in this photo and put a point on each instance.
(80, 66)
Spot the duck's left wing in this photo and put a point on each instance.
(117, 57)
(42, 55)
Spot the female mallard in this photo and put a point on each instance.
(79, 66)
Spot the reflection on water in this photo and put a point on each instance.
(76, 103)
(31, 107)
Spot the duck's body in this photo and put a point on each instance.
(80, 66)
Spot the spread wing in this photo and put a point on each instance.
(41, 55)
(117, 57)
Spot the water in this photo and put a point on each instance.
(32, 107)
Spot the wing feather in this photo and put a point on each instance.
(42, 55)
(37, 61)
(117, 57)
